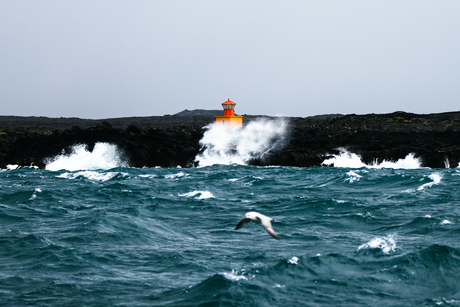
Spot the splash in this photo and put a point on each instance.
(386, 244)
(293, 260)
(104, 156)
(447, 163)
(350, 160)
(223, 145)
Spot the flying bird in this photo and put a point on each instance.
(260, 219)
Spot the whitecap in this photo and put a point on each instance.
(148, 176)
(352, 177)
(446, 222)
(293, 260)
(91, 175)
(386, 244)
(436, 180)
(234, 276)
(202, 194)
(174, 176)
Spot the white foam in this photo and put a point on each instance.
(91, 175)
(174, 176)
(11, 167)
(202, 194)
(386, 244)
(352, 176)
(148, 176)
(234, 276)
(446, 222)
(223, 145)
(436, 180)
(104, 156)
(293, 260)
(346, 159)
(34, 195)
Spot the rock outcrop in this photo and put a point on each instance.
(433, 138)
(170, 141)
(166, 146)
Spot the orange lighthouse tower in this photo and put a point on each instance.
(229, 117)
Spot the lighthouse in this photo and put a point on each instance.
(229, 119)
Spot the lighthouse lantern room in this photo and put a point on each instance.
(229, 118)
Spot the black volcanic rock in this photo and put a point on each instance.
(434, 138)
(170, 141)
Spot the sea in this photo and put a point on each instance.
(89, 230)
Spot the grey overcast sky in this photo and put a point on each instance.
(103, 59)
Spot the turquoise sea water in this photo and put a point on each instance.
(165, 237)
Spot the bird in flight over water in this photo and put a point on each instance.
(260, 219)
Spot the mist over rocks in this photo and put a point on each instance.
(173, 140)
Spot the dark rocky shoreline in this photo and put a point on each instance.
(169, 141)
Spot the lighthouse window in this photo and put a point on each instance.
(223, 122)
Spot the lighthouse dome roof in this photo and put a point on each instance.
(229, 102)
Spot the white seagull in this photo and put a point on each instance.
(260, 219)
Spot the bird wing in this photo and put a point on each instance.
(268, 227)
(242, 223)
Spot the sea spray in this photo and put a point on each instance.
(103, 156)
(224, 145)
(351, 160)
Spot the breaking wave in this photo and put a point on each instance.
(351, 160)
(223, 145)
(104, 156)
(385, 244)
